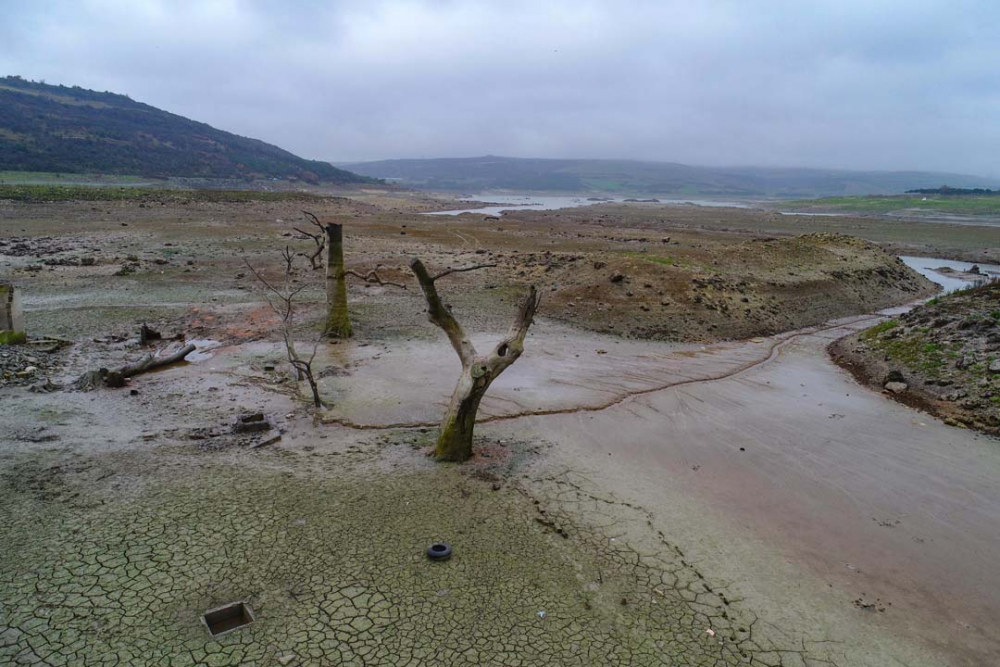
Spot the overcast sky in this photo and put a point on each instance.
(865, 84)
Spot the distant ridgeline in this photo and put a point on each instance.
(49, 128)
(632, 178)
(945, 190)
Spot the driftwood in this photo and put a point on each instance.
(478, 371)
(116, 378)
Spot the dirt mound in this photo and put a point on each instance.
(720, 291)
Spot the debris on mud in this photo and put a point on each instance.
(250, 430)
(24, 365)
(867, 605)
(256, 422)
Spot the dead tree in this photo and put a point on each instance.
(331, 238)
(283, 304)
(478, 371)
(318, 239)
(338, 321)
(288, 256)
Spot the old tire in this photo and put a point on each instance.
(439, 551)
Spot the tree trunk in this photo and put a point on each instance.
(455, 441)
(338, 322)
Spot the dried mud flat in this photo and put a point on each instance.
(609, 516)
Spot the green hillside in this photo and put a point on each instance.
(45, 128)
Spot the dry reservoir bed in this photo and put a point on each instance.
(631, 502)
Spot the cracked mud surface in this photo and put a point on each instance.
(332, 564)
(165, 529)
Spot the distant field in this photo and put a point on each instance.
(54, 193)
(956, 205)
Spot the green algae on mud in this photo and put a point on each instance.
(334, 569)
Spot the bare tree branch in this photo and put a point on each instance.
(288, 256)
(315, 220)
(373, 277)
(441, 316)
(318, 239)
(510, 348)
(462, 270)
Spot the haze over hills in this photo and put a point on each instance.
(648, 178)
(62, 129)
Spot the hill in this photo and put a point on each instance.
(47, 128)
(649, 178)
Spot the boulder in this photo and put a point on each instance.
(894, 376)
(896, 387)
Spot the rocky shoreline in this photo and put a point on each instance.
(942, 357)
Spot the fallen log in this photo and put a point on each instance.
(116, 378)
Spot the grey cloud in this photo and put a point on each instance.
(851, 83)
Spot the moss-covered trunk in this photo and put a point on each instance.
(338, 321)
(455, 441)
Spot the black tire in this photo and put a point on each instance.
(439, 551)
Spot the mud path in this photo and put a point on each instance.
(772, 350)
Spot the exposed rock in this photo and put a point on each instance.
(893, 376)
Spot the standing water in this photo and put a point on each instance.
(927, 267)
(552, 202)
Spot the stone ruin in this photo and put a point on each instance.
(11, 319)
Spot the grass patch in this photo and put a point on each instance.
(879, 329)
(959, 205)
(913, 350)
(916, 353)
(671, 261)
